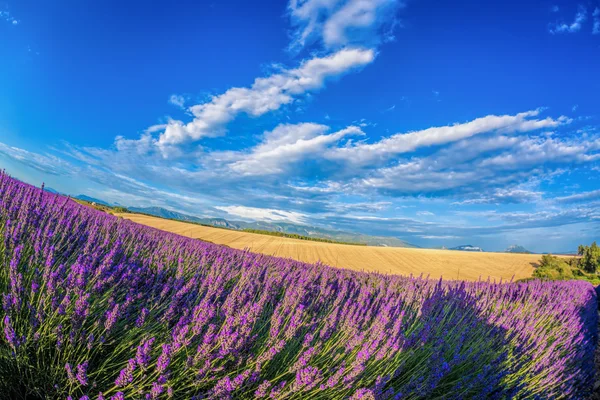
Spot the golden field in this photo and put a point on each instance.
(390, 260)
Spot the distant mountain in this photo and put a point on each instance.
(163, 213)
(92, 200)
(466, 247)
(515, 248)
(50, 190)
(284, 227)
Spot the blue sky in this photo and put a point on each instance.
(441, 123)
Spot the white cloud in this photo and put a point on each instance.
(7, 16)
(265, 94)
(264, 214)
(46, 163)
(574, 26)
(479, 170)
(340, 22)
(288, 144)
(177, 100)
(580, 197)
(505, 195)
(425, 213)
(540, 150)
(438, 237)
(407, 142)
(596, 26)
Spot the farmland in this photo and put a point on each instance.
(99, 307)
(390, 260)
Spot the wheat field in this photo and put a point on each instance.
(390, 260)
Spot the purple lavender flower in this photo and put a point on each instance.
(246, 321)
(9, 333)
(156, 390)
(126, 374)
(307, 378)
(111, 317)
(263, 389)
(142, 318)
(70, 373)
(143, 353)
(363, 394)
(164, 359)
(82, 373)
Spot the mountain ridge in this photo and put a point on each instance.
(283, 227)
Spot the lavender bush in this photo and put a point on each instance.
(96, 307)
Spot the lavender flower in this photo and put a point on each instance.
(143, 353)
(227, 323)
(126, 374)
(82, 373)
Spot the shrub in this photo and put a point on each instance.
(590, 258)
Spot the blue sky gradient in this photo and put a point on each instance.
(441, 123)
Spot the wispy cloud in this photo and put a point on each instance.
(177, 100)
(437, 237)
(264, 214)
(425, 213)
(596, 19)
(336, 23)
(575, 26)
(265, 95)
(288, 144)
(8, 17)
(580, 197)
(406, 142)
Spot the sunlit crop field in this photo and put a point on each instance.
(405, 261)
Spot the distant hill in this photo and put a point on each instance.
(515, 248)
(92, 200)
(50, 190)
(284, 227)
(466, 247)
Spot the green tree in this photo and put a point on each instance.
(590, 258)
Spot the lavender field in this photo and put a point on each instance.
(96, 307)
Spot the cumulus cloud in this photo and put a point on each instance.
(337, 23)
(265, 95)
(575, 26)
(364, 153)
